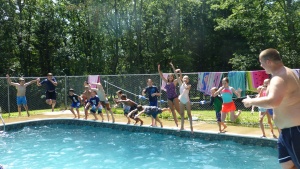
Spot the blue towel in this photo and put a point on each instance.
(237, 79)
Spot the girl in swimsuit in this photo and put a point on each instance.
(184, 97)
(228, 105)
(173, 101)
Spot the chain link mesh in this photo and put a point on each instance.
(131, 85)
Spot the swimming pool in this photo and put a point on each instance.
(72, 146)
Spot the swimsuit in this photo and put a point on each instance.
(228, 104)
(171, 91)
(288, 145)
(184, 95)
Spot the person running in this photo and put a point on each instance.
(284, 98)
(75, 102)
(153, 93)
(228, 105)
(21, 92)
(216, 101)
(184, 97)
(94, 103)
(170, 87)
(132, 106)
(51, 84)
(103, 99)
(150, 111)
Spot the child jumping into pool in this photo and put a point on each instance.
(216, 101)
(95, 104)
(184, 97)
(152, 111)
(170, 87)
(228, 105)
(85, 97)
(126, 109)
(103, 100)
(130, 106)
(21, 92)
(75, 102)
(152, 92)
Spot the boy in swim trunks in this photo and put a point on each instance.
(153, 93)
(75, 102)
(130, 106)
(216, 101)
(21, 91)
(103, 100)
(149, 110)
(95, 104)
(51, 84)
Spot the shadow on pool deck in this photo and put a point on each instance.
(198, 125)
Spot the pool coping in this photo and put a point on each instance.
(205, 135)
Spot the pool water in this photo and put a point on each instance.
(74, 147)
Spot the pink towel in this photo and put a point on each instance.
(93, 79)
(207, 80)
(255, 79)
(163, 83)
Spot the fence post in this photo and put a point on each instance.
(160, 81)
(66, 92)
(8, 101)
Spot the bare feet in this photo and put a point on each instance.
(28, 114)
(142, 123)
(262, 136)
(223, 130)
(239, 112)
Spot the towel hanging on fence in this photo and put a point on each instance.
(93, 79)
(207, 80)
(237, 79)
(163, 83)
(255, 79)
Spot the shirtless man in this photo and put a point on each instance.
(284, 97)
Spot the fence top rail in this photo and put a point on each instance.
(13, 77)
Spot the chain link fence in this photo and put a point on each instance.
(131, 85)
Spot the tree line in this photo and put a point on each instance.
(80, 37)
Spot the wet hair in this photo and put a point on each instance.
(139, 107)
(119, 92)
(226, 79)
(123, 96)
(270, 54)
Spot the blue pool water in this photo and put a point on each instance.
(74, 147)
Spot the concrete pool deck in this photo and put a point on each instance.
(198, 125)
